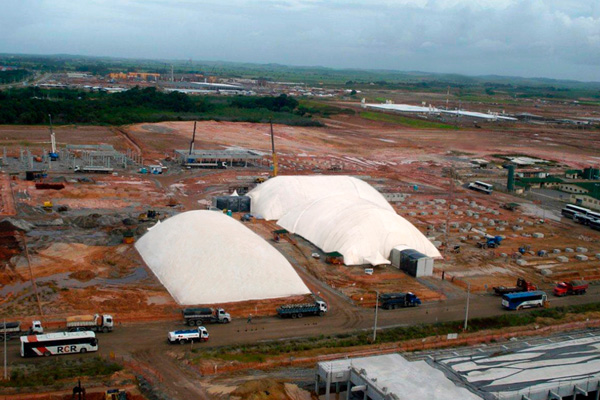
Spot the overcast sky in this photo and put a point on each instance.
(532, 38)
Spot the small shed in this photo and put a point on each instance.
(232, 203)
(411, 261)
(334, 258)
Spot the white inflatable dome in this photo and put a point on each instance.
(206, 257)
(363, 232)
(275, 197)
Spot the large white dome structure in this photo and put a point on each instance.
(206, 257)
(363, 232)
(277, 196)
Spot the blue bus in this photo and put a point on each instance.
(517, 301)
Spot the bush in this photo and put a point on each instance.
(48, 372)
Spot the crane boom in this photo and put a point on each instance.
(193, 139)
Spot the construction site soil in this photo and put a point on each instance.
(74, 249)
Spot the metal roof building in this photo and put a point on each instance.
(219, 158)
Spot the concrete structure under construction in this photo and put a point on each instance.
(220, 158)
(558, 370)
(553, 371)
(386, 377)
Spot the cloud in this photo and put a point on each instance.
(554, 38)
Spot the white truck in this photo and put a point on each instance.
(96, 323)
(12, 329)
(199, 334)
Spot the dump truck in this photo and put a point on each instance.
(97, 323)
(13, 329)
(198, 316)
(391, 301)
(299, 310)
(199, 334)
(522, 286)
(573, 287)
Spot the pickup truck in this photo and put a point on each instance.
(199, 334)
(573, 287)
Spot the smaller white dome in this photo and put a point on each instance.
(206, 257)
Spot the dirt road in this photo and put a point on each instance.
(150, 337)
(146, 343)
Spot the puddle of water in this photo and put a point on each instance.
(63, 280)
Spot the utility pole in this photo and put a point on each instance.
(376, 310)
(467, 309)
(5, 371)
(275, 166)
(448, 209)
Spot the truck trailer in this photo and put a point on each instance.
(573, 287)
(13, 329)
(96, 323)
(199, 334)
(199, 316)
(522, 286)
(391, 301)
(299, 310)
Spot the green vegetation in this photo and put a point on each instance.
(397, 119)
(311, 107)
(257, 352)
(48, 372)
(15, 75)
(32, 106)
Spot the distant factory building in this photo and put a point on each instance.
(585, 194)
(216, 86)
(139, 76)
(573, 173)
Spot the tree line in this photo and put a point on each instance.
(30, 106)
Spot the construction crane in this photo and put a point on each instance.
(53, 153)
(193, 140)
(273, 150)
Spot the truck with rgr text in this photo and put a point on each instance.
(522, 286)
(573, 287)
(199, 316)
(319, 308)
(391, 301)
(12, 329)
(96, 323)
(199, 334)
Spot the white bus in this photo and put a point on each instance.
(570, 210)
(58, 343)
(481, 187)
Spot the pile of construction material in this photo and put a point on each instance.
(206, 257)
